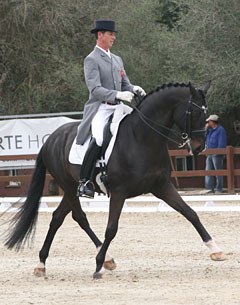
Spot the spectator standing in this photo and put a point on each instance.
(215, 138)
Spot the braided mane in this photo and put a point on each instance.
(163, 87)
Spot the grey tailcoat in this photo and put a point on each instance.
(104, 76)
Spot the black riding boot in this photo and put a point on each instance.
(86, 186)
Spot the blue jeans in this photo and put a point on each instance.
(214, 162)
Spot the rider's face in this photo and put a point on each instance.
(106, 39)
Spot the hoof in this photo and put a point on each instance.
(39, 272)
(110, 265)
(97, 275)
(219, 256)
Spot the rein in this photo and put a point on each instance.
(146, 120)
(186, 135)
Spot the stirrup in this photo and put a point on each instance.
(85, 189)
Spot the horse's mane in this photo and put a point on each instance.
(162, 87)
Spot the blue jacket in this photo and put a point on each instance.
(216, 137)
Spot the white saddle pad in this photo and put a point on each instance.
(77, 152)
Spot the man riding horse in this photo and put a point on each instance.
(148, 170)
(108, 86)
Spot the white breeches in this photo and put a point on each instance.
(102, 116)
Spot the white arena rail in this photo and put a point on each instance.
(146, 203)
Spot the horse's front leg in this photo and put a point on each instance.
(170, 195)
(80, 217)
(115, 208)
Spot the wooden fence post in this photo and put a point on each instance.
(230, 169)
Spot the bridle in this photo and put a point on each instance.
(187, 134)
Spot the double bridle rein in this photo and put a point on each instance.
(187, 134)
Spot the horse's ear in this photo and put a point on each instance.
(192, 89)
(206, 87)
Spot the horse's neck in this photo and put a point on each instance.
(158, 112)
(146, 129)
(156, 115)
(160, 105)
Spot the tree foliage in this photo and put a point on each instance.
(43, 44)
(169, 13)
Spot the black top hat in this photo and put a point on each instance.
(104, 25)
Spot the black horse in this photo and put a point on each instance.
(139, 164)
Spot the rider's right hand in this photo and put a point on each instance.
(125, 96)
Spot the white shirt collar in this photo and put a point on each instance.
(106, 52)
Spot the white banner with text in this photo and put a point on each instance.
(26, 136)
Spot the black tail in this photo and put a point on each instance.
(25, 220)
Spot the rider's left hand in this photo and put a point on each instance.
(138, 89)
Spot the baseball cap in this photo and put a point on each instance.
(213, 117)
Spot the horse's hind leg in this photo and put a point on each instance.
(80, 217)
(57, 219)
(170, 195)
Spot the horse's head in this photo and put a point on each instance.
(176, 103)
(193, 131)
